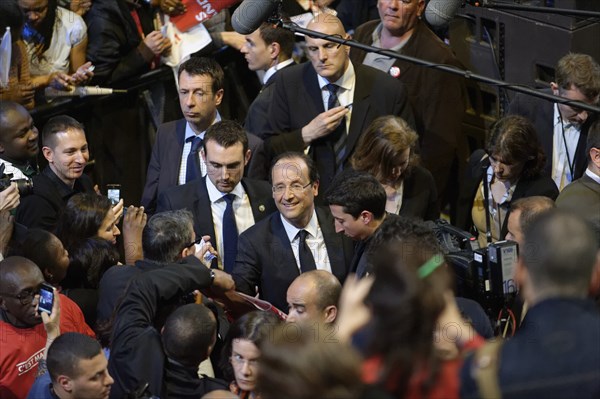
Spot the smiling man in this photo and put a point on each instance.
(224, 205)
(323, 106)
(357, 203)
(21, 325)
(18, 141)
(66, 150)
(298, 238)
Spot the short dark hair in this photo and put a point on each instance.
(226, 134)
(188, 334)
(357, 192)
(313, 173)
(67, 350)
(514, 140)
(593, 139)
(58, 124)
(531, 208)
(166, 234)
(204, 66)
(581, 71)
(271, 33)
(559, 251)
(256, 327)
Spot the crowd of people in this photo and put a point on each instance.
(292, 255)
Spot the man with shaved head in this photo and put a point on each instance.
(18, 141)
(322, 106)
(23, 334)
(313, 297)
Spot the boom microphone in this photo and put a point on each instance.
(251, 14)
(81, 91)
(440, 12)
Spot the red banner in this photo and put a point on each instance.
(199, 11)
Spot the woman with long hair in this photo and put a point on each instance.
(511, 167)
(386, 150)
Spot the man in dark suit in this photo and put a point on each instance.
(357, 203)
(66, 150)
(560, 126)
(298, 238)
(324, 105)
(583, 195)
(176, 155)
(267, 49)
(223, 203)
(438, 99)
(556, 352)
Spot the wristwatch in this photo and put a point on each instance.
(212, 276)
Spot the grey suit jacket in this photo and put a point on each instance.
(582, 197)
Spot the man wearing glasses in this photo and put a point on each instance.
(563, 129)
(321, 107)
(298, 238)
(22, 333)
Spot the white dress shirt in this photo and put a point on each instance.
(345, 94)
(271, 71)
(314, 240)
(187, 146)
(561, 171)
(241, 209)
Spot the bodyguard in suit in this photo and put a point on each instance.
(323, 106)
(563, 129)
(224, 205)
(583, 195)
(298, 238)
(267, 49)
(176, 155)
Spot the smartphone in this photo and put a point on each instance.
(46, 298)
(207, 256)
(114, 193)
(91, 69)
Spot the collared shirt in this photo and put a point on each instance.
(346, 83)
(314, 240)
(241, 209)
(271, 71)
(379, 61)
(189, 132)
(592, 175)
(65, 191)
(394, 199)
(563, 158)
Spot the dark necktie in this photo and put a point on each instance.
(307, 261)
(230, 234)
(193, 162)
(339, 134)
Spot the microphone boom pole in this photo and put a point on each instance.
(547, 10)
(442, 67)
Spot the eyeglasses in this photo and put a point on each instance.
(295, 188)
(25, 297)
(239, 361)
(198, 241)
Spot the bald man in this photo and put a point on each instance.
(18, 141)
(313, 297)
(323, 105)
(21, 324)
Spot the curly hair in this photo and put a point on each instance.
(513, 139)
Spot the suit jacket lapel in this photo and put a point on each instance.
(280, 239)
(257, 202)
(202, 209)
(313, 91)
(333, 242)
(175, 151)
(360, 108)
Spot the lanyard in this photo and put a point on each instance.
(562, 128)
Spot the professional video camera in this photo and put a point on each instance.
(482, 274)
(25, 186)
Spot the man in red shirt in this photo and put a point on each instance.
(22, 334)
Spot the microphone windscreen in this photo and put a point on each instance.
(439, 12)
(251, 14)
